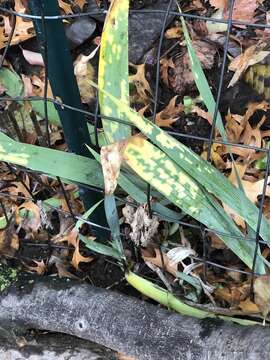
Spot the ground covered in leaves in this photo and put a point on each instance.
(38, 213)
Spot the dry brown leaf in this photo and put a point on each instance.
(67, 231)
(248, 307)
(243, 10)
(232, 295)
(167, 116)
(61, 266)
(9, 241)
(81, 3)
(17, 188)
(159, 261)
(174, 33)
(216, 242)
(65, 7)
(204, 114)
(77, 258)
(218, 4)
(40, 267)
(165, 65)
(111, 159)
(217, 150)
(262, 294)
(251, 56)
(39, 84)
(121, 356)
(143, 90)
(23, 29)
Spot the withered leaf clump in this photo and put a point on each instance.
(144, 228)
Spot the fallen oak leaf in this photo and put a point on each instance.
(169, 115)
(77, 258)
(143, 90)
(40, 267)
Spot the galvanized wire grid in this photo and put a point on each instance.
(95, 116)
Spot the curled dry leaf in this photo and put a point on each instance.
(143, 227)
(262, 294)
(111, 159)
(180, 253)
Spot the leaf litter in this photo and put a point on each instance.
(148, 232)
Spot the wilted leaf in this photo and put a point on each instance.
(111, 159)
(160, 260)
(144, 228)
(262, 294)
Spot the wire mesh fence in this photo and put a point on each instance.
(94, 118)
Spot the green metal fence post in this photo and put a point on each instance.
(64, 86)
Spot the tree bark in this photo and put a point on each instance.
(127, 324)
(51, 346)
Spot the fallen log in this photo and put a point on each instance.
(52, 346)
(126, 324)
